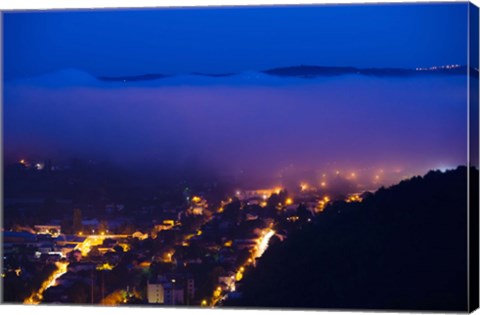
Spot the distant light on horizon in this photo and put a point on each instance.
(444, 169)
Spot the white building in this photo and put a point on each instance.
(155, 293)
(170, 291)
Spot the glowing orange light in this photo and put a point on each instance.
(196, 199)
(289, 201)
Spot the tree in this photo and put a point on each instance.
(303, 213)
(94, 252)
(78, 293)
(74, 256)
(118, 249)
(232, 211)
(103, 226)
(275, 199)
(108, 242)
(127, 228)
(77, 220)
(66, 226)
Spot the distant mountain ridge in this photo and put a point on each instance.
(307, 71)
(312, 71)
(142, 77)
(273, 77)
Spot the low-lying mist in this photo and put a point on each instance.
(261, 130)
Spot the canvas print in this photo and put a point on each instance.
(282, 157)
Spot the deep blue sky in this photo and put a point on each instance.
(217, 40)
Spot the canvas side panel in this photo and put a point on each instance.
(473, 90)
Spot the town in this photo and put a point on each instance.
(194, 251)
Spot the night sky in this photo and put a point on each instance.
(217, 40)
(263, 128)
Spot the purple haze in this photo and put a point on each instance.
(265, 129)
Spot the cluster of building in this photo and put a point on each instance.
(45, 242)
(194, 241)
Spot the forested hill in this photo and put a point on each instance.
(404, 247)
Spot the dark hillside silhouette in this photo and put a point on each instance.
(404, 247)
